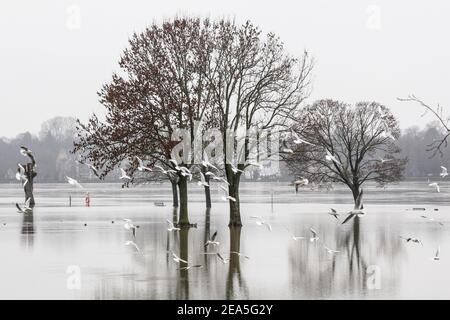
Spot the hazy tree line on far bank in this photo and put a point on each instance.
(53, 145)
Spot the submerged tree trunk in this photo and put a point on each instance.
(207, 193)
(183, 220)
(174, 194)
(235, 209)
(183, 290)
(357, 197)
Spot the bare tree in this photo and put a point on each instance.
(347, 144)
(255, 85)
(438, 145)
(161, 88)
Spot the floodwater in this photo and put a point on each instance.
(62, 252)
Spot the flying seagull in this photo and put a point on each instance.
(74, 182)
(294, 237)
(171, 226)
(235, 169)
(412, 239)
(128, 225)
(166, 172)
(331, 157)
(437, 254)
(207, 164)
(124, 175)
(227, 195)
(261, 222)
(212, 241)
(190, 267)
(314, 236)
(176, 258)
(141, 166)
(435, 185)
(131, 243)
(298, 140)
(25, 151)
(26, 207)
(224, 261)
(239, 254)
(444, 172)
(331, 251)
(431, 219)
(334, 213)
(202, 181)
(358, 209)
(175, 164)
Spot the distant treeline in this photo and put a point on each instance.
(53, 145)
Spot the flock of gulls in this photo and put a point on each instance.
(212, 242)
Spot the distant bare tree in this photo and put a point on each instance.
(256, 85)
(348, 144)
(438, 112)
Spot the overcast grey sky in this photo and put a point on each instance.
(52, 65)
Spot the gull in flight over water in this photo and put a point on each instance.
(314, 236)
(331, 251)
(185, 172)
(444, 172)
(124, 175)
(26, 207)
(214, 177)
(437, 254)
(128, 225)
(435, 185)
(176, 258)
(384, 160)
(20, 175)
(175, 164)
(212, 241)
(358, 209)
(431, 219)
(412, 239)
(141, 166)
(74, 182)
(224, 261)
(132, 243)
(286, 149)
(331, 157)
(207, 164)
(334, 213)
(294, 237)
(166, 172)
(235, 169)
(25, 151)
(298, 140)
(261, 222)
(227, 195)
(191, 266)
(202, 181)
(239, 254)
(171, 226)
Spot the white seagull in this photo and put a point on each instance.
(412, 239)
(331, 251)
(444, 172)
(314, 236)
(26, 207)
(124, 175)
(166, 172)
(435, 185)
(235, 169)
(171, 226)
(212, 241)
(128, 225)
(431, 219)
(131, 243)
(294, 237)
(202, 181)
(207, 164)
(437, 254)
(176, 258)
(141, 166)
(334, 213)
(227, 195)
(191, 266)
(175, 164)
(25, 151)
(261, 222)
(74, 182)
(239, 254)
(298, 140)
(330, 157)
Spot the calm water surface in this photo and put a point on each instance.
(38, 249)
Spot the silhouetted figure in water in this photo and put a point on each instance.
(27, 174)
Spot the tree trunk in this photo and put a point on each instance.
(234, 269)
(357, 192)
(208, 193)
(183, 292)
(235, 210)
(174, 194)
(183, 220)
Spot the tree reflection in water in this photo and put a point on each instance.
(236, 287)
(27, 231)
